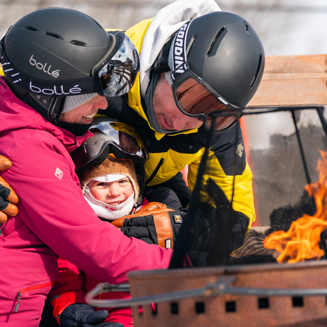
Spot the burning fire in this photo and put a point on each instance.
(301, 242)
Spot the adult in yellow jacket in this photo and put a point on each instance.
(194, 60)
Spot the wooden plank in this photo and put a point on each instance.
(293, 80)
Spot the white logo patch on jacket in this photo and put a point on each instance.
(240, 150)
(58, 173)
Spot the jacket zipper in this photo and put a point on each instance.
(155, 171)
(29, 289)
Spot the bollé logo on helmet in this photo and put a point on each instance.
(44, 68)
(56, 89)
(74, 90)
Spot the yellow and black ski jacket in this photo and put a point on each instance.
(170, 153)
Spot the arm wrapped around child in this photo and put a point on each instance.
(154, 223)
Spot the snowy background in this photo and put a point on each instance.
(286, 27)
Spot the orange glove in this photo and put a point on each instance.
(160, 224)
(149, 209)
(8, 197)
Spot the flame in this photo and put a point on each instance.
(301, 241)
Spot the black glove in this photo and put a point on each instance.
(4, 193)
(83, 315)
(141, 227)
(7, 195)
(218, 229)
(154, 224)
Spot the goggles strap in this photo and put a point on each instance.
(184, 240)
(177, 59)
(109, 53)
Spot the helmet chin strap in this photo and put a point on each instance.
(76, 129)
(49, 107)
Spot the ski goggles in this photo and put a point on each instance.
(195, 98)
(114, 137)
(192, 95)
(117, 76)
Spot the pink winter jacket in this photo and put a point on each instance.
(53, 219)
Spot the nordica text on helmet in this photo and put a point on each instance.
(179, 59)
(44, 68)
(46, 91)
(178, 52)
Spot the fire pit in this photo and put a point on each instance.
(244, 297)
(230, 296)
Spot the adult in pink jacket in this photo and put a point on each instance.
(58, 65)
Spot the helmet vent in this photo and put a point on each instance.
(214, 41)
(31, 28)
(257, 72)
(190, 44)
(53, 35)
(78, 43)
(247, 29)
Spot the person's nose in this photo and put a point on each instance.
(100, 102)
(179, 121)
(113, 190)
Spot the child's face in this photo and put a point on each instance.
(112, 193)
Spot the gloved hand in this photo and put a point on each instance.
(217, 229)
(83, 315)
(154, 224)
(8, 197)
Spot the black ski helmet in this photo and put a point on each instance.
(226, 52)
(223, 55)
(52, 53)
